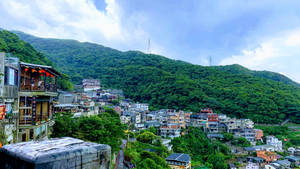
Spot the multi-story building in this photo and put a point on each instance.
(138, 118)
(37, 90)
(212, 127)
(9, 84)
(170, 130)
(187, 117)
(248, 134)
(90, 84)
(231, 125)
(213, 117)
(176, 118)
(139, 107)
(198, 120)
(179, 161)
(275, 142)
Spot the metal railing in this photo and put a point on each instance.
(39, 88)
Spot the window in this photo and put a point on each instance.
(11, 76)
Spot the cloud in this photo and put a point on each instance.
(259, 34)
(279, 54)
(74, 19)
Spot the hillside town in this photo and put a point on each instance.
(29, 100)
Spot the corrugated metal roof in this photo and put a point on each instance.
(179, 157)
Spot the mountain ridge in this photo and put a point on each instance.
(264, 73)
(262, 96)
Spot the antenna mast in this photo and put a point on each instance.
(210, 61)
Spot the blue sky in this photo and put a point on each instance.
(258, 34)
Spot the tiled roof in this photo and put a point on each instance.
(179, 157)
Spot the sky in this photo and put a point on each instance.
(258, 34)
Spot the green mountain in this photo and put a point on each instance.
(11, 43)
(265, 97)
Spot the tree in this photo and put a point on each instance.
(200, 148)
(146, 137)
(152, 161)
(242, 142)
(152, 130)
(217, 160)
(64, 125)
(105, 128)
(228, 137)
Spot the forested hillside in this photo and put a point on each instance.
(265, 97)
(11, 43)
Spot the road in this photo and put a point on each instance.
(120, 158)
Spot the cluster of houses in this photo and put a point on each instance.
(267, 157)
(29, 98)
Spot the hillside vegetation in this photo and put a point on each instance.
(265, 97)
(11, 43)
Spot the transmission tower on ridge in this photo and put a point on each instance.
(210, 61)
(149, 46)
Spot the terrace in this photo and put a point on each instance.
(38, 78)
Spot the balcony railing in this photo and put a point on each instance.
(39, 88)
(27, 120)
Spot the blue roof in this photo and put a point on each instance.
(255, 159)
(179, 157)
(249, 149)
(283, 162)
(292, 158)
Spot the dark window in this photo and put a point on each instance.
(31, 134)
(10, 76)
(23, 137)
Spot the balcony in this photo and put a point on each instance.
(38, 78)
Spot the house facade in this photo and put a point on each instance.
(275, 142)
(38, 88)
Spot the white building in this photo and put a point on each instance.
(251, 165)
(169, 131)
(247, 123)
(125, 119)
(291, 150)
(273, 141)
(139, 107)
(90, 84)
(138, 118)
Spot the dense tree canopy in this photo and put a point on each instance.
(147, 152)
(265, 97)
(201, 149)
(105, 128)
